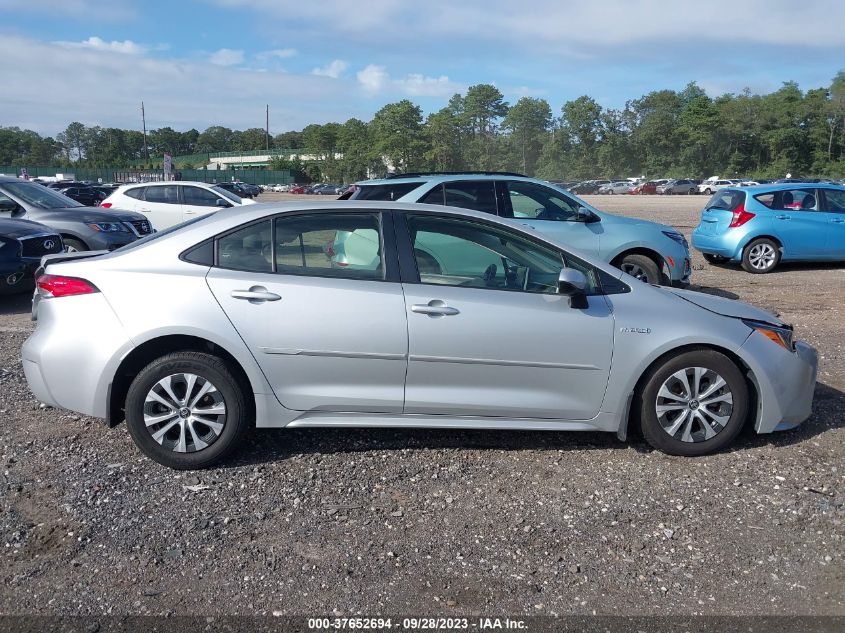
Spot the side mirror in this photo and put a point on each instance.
(586, 216)
(221, 203)
(572, 283)
(8, 206)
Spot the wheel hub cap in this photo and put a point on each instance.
(694, 404)
(184, 412)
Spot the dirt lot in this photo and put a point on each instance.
(427, 522)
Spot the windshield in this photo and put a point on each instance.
(40, 196)
(728, 199)
(227, 194)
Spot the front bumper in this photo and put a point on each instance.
(18, 276)
(785, 382)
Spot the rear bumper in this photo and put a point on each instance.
(725, 244)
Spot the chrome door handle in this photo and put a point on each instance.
(435, 308)
(783, 217)
(256, 294)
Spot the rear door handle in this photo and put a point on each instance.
(434, 308)
(783, 217)
(256, 294)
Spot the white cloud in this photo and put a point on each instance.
(277, 53)
(184, 93)
(227, 57)
(127, 47)
(373, 78)
(334, 70)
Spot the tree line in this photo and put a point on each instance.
(666, 133)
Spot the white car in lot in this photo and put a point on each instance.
(712, 186)
(167, 204)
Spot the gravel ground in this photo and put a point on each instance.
(425, 522)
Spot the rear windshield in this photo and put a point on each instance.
(390, 191)
(728, 199)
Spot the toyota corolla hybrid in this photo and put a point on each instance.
(239, 318)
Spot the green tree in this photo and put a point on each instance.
(398, 135)
(529, 121)
(482, 109)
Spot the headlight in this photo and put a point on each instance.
(674, 235)
(775, 333)
(108, 227)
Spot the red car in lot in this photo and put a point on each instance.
(300, 189)
(646, 187)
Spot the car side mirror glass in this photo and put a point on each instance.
(587, 216)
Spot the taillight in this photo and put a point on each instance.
(106, 205)
(58, 286)
(740, 217)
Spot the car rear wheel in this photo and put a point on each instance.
(642, 267)
(693, 404)
(708, 191)
(760, 256)
(73, 245)
(186, 410)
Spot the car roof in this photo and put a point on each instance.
(443, 178)
(162, 183)
(787, 185)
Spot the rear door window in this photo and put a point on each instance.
(167, 194)
(390, 191)
(797, 200)
(135, 192)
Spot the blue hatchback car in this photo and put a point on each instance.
(764, 225)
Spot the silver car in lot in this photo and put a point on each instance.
(240, 317)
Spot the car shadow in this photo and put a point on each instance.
(16, 304)
(786, 267)
(718, 292)
(262, 446)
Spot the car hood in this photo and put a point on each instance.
(22, 228)
(626, 221)
(725, 307)
(90, 214)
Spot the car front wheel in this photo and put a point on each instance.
(642, 267)
(693, 404)
(186, 410)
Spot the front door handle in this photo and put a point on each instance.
(783, 217)
(434, 308)
(256, 294)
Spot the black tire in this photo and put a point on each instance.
(642, 267)
(655, 433)
(708, 192)
(761, 256)
(209, 368)
(691, 191)
(73, 244)
(715, 259)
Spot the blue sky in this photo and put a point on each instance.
(201, 62)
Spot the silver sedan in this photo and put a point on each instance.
(244, 317)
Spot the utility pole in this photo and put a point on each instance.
(267, 126)
(144, 123)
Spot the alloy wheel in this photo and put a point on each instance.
(762, 256)
(635, 270)
(184, 412)
(694, 404)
